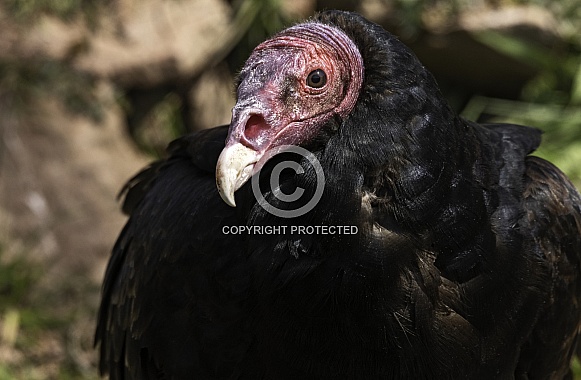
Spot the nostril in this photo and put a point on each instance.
(254, 126)
(254, 130)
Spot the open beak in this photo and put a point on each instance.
(250, 136)
(235, 166)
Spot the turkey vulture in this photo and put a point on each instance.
(437, 248)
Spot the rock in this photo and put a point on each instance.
(449, 46)
(47, 37)
(529, 23)
(143, 42)
(152, 41)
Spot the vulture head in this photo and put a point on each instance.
(290, 86)
(336, 68)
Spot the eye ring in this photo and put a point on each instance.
(316, 78)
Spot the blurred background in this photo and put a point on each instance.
(90, 91)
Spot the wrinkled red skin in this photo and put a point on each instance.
(276, 106)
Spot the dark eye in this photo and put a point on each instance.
(317, 79)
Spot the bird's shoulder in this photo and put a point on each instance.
(171, 257)
(552, 202)
(459, 207)
(552, 220)
(502, 249)
(552, 224)
(200, 149)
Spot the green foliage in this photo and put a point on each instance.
(26, 80)
(550, 101)
(410, 11)
(567, 12)
(415, 13)
(576, 87)
(557, 67)
(255, 21)
(161, 125)
(16, 279)
(34, 316)
(576, 368)
(19, 304)
(561, 126)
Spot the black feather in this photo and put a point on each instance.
(465, 264)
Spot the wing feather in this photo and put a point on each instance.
(553, 218)
(151, 313)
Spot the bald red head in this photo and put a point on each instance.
(290, 86)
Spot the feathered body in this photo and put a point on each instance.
(464, 264)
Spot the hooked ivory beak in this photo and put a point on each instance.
(235, 166)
